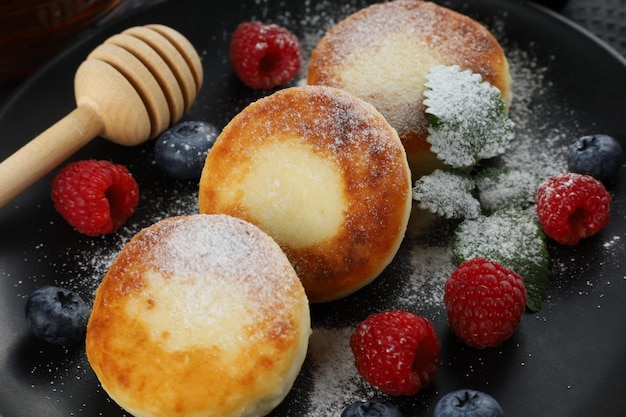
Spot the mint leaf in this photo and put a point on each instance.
(468, 120)
(448, 194)
(500, 188)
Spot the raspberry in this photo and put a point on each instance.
(263, 55)
(484, 301)
(396, 351)
(96, 197)
(572, 206)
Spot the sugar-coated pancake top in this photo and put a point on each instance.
(383, 52)
(199, 313)
(324, 174)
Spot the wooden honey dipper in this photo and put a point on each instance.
(128, 90)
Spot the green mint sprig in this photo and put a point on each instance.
(467, 117)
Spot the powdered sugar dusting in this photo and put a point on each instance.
(505, 235)
(429, 268)
(226, 273)
(188, 247)
(539, 146)
(336, 381)
(458, 201)
(471, 124)
(500, 189)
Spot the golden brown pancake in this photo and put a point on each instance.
(383, 52)
(199, 316)
(324, 174)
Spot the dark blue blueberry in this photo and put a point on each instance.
(371, 408)
(57, 315)
(181, 150)
(597, 155)
(467, 403)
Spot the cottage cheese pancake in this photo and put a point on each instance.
(383, 52)
(199, 315)
(324, 174)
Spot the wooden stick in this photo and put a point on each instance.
(48, 150)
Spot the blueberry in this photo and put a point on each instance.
(371, 408)
(57, 315)
(597, 155)
(181, 150)
(467, 403)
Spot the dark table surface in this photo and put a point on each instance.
(604, 18)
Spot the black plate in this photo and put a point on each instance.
(566, 360)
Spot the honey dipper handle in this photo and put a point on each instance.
(48, 150)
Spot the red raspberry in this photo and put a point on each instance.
(396, 351)
(263, 55)
(572, 206)
(96, 197)
(484, 301)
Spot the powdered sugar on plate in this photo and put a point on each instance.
(336, 382)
